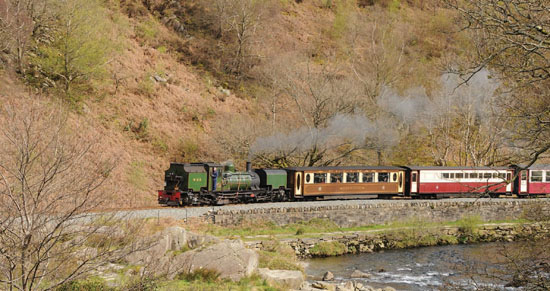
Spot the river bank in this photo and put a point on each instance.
(465, 231)
(367, 242)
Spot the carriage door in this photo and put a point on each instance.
(400, 183)
(298, 183)
(414, 182)
(523, 182)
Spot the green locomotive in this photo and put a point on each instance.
(217, 184)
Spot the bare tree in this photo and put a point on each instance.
(21, 21)
(50, 180)
(512, 37)
(327, 121)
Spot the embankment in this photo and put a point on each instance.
(374, 212)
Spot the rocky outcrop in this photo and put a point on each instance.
(283, 278)
(366, 242)
(230, 258)
(154, 248)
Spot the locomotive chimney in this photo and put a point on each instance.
(248, 166)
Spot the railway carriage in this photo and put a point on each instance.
(345, 182)
(444, 182)
(533, 181)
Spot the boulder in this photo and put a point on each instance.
(324, 286)
(197, 240)
(176, 238)
(283, 278)
(153, 248)
(160, 79)
(359, 274)
(229, 258)
(328, 276)
(348, 286)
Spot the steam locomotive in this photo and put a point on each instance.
(217, 184)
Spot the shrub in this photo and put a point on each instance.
(141, 284)
(146, 87)
(147, 30)
(90, 284)
(278, 256)
(189, 150)
(448, 240)
(468, 227)
(328, 248)
(160, 145)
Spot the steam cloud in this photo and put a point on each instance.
(355, 128)
(414, 108)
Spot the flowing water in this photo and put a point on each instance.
(429, 268)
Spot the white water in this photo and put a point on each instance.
(430, 268)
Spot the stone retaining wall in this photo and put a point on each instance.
(371, 241)
(381, 212)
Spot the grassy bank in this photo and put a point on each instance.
(203, 280)
(319, 227)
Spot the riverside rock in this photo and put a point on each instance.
(359, 274)
(348, 286)
(324, 286)
(328, 276)
(229, 258)
(285, 278)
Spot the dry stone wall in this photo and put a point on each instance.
(369, 212)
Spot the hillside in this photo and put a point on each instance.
(207, 80)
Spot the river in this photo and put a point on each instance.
(426, 268)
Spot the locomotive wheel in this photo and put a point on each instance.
(281, 195)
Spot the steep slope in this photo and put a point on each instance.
(171, 92)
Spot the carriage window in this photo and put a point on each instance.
(414, 177)
(352, 178)
(508, 176)
(319, 178)
(308, 178)
(501, 176)
(524, 175)
(368, 177)
(536, 176)
(336, 177)
(473, 175)
(445, 175)
(394, 178)
(459, 175)
(487, 175)
(383, 177)
(452, 175)
(547, 176)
